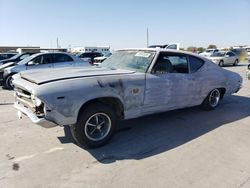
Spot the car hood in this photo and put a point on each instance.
(51, 75)
(6, 61)
(205, 54)
(6, 65)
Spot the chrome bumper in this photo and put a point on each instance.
(39, 121)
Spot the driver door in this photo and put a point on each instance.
(169, 85)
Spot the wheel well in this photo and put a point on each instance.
(222, 92)
(113, 102)
(8, 75)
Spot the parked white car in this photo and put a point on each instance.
(248, 54)
(209, 52)
(224, 58)
(39, 61)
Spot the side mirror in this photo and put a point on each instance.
(226, 55)
(30, 63)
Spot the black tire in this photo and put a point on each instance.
(236, 62)
(7, 83)
(82, 130)
(248, 67)
(209, 103)
(221, 63)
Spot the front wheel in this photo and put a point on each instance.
(221, 63)
(212, 100)
(8, 82)
(95, 126)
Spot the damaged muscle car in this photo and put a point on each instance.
(129, 84)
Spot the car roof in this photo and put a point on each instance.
(90, 52)
(41, 53)
(162, 50)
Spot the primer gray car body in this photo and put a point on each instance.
(55, 98)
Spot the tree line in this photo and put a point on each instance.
(198, 49)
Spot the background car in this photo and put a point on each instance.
(248, 72)
(16, 58)
(248, 54)
(98, 60)
(89, 56)
(40, 61)
(173, 46)
(224, 58)
(208, 52)
(6, 55)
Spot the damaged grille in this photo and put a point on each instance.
(25, 98)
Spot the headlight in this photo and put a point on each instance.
(35, 100)
(38, 102)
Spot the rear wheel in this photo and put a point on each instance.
(212, 100)
(236, 62)
(95, 126)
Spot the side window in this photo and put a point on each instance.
(172, 46)
(58, 58)
(46, 59)
(84, 55)
(97, 55)
(230, 54)
(195, 63)
(171, 63)
(37, 60)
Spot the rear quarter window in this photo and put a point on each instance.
(195, 63)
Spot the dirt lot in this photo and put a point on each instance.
(184, 148)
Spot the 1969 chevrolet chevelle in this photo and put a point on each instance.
(129, 84)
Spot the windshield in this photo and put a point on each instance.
(138, 61)
(218, 54)
(15, 56)
(26, 60)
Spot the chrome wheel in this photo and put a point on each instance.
(97, 127)
(214, 98)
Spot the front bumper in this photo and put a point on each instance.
(39, 121)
